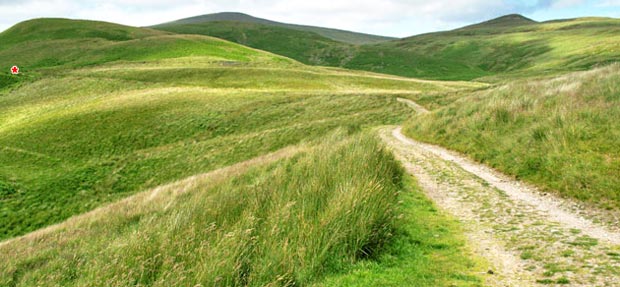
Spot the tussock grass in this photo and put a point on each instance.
(286, 223)
(94, 144)
(560, 133)
(428, 249)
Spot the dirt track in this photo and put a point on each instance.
(528, 237)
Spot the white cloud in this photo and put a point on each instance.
(389, 17)
(609, 3)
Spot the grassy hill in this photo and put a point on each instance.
(304, 46)
(333, 34)
(98, 133)
(560, 133)
(187, 159)
(514, 46)
(112, 111)
(63, 43)
(509, 46)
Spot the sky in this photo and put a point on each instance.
(397, 18)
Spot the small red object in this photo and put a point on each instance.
(14, 70)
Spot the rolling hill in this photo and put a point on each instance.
(509, 46)
(165, 156)
(333, 34)
(141, 99)
(105, 118)
(515, 46)
(304, 46)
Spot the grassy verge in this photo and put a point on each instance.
(286, 223)
(427, 250)
(560, 133)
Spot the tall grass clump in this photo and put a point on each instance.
(283, 224)
(560, 133)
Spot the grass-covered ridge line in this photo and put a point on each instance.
(510, 46)
(560, 133)
(63, 44)
(304, 46)
(231, 17)
(287, 223)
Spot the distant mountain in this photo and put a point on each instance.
(512, 20)
(511, 44)
(333, 34)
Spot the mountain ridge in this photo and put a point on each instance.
(340, 35)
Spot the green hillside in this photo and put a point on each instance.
(560, 133)
(97, 134)
(263, 150)
(516, 48)
(304, 46)
(510, 46)
(66, 43)
(287, 219)
(333, 34)
(227, 150)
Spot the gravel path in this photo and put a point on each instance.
(528, 237)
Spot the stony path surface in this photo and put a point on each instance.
(529, 238)
(415, 106)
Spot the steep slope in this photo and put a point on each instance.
(333, 34)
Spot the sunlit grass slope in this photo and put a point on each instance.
(287, 219)
(511, 47)
(560, 133)
(63, 43)
(304, 46)
(282, 224)
(72, 139)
